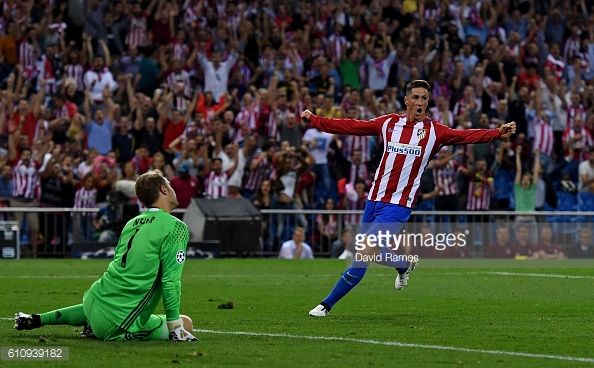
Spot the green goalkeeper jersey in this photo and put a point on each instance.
(147, 264)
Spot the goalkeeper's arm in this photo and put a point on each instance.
(173, 254)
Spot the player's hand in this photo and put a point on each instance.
(507, 130)
(306, 115)
(178, 333)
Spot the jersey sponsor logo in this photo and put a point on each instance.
(404, 149)
(180, 257)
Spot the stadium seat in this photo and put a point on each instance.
(566, 224)
(567, 201)
(501, 183)
(585, 201)
(585, 204)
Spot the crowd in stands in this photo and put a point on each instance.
(208, 92)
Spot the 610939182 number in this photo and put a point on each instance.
(34, 353)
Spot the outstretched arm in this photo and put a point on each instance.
(457, 137)
(347, 126)
(536, 167)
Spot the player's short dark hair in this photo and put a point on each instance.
(216, 159)
(419, 83)
(147, 187)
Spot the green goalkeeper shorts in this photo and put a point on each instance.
(155, 329)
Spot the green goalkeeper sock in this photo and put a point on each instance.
(74, 316)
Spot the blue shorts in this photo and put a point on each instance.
(383, 216)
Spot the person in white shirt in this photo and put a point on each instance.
(98, 78)
(319, 142)
(216, 72)
(296, 248)
(586, 171)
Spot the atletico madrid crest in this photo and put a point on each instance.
(421, 133)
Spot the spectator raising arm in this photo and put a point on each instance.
(518, 179)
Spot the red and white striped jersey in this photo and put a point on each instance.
(353, 143)
(447, 177)
(315, 53)
(180, 102)
(68, 110)
(261, 172)
(580, 153)
(432, 13)
(408, 148)
(299, 64)
(479, 193)
(557, 66)
(76, 72)
(191, 16)
(46, 70)
(248, 119)
(180, 78)
(85, 198)
(338, 46)
(572, 47)
(543, 136)
(26, 179)
(514, 50)
(137, 29)
(461, 106)
(359, 171)
(331, 227)
(357, 205)
(439, 116)
(27, 55)
(573, 111)
(216, 185)
(272, 125)
(181, 52)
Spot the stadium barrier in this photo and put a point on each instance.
(61, 227)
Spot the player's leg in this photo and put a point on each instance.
(156, 328)
(377, 216)
(73, 315)
(99, 326)
(352, 276)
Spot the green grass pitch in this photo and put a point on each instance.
(490, 314)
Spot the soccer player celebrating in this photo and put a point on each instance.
(410, 141)
(147, 265)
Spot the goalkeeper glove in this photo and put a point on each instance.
(177, 332)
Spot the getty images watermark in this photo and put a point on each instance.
(406, 245)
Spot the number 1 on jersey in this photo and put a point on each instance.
(128, 250)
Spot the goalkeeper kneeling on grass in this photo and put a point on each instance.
(147, 265)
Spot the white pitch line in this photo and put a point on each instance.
(313, 275)
(400, 344)
(192, 276)
(550, 275)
